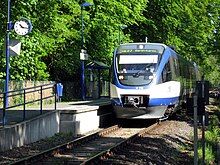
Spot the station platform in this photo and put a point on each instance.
(14, 116)
(77, 117)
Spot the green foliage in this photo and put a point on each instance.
(214, 125)
(187, 26)
(52, 50)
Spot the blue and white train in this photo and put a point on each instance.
(149, 80)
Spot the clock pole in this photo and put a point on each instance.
(9, 26)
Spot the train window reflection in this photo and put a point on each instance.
(136, 69)
(132, 68)
(136, 74)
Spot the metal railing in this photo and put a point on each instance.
(23, 94)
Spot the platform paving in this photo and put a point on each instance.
(14, 116)
(77, 117)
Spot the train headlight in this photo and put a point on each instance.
(151, 77)
(141, 46)
(121, 77)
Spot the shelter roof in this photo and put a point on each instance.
(97, 65)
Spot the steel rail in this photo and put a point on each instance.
(104, 154)
(63, 147)
(95, 159)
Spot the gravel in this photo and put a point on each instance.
(34, 148)
(170, 144)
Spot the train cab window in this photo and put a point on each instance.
(136, 69)
(167, 74)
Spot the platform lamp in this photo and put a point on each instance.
(82, 54)
(120, 27)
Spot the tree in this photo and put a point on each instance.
(183, 24)
(52, 49)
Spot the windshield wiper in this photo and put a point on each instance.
(137, 73)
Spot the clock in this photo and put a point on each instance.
(23, 26)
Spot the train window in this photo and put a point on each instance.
(183, 68)
(135, 69)
(176, 67)
(167, 74)
(172, 68)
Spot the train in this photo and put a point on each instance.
(150, 80)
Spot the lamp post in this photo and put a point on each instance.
(85, 4)
(120, 27)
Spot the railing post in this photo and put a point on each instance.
(4, 116)
(55, 96)
(195, 99)
(41, 100)
(24, 106)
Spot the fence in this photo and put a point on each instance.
(72, 90)
(27, 96)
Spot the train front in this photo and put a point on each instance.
(134, 81)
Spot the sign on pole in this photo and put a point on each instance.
(14, 47)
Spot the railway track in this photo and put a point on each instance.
(88, 149)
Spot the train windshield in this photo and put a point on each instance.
(136, 69)
(137, 63)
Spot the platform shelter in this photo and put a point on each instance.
(96, 84)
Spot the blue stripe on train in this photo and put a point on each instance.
(163, 101)
(116, 101)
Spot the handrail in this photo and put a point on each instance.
(24, 92)
(28, 88)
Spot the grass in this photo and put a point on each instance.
(209, 154)
(212, 137)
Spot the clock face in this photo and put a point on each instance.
(22, 26)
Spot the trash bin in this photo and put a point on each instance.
(59, 91)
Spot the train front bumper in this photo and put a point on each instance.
(140, 113)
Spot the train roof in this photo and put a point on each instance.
(161, 45)
(141, 47)
(144, 43)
